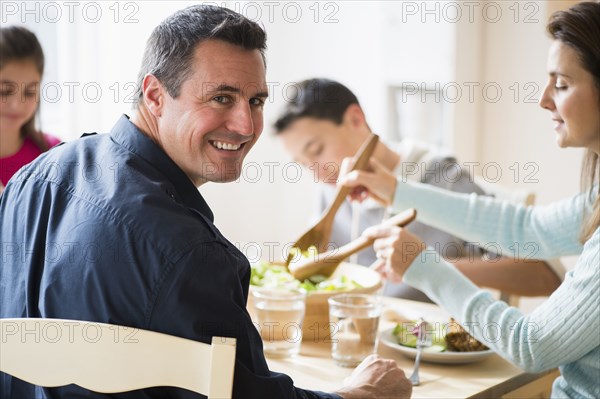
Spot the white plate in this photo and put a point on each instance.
(388, 339)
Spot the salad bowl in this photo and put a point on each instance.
(347, 278)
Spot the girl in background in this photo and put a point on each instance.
(21, 70)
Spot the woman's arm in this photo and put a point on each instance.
(514, 230)
(540, 232)
(561, 330)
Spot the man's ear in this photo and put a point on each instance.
(154, 94)
(355, 116)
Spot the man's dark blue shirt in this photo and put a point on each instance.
(108, 228)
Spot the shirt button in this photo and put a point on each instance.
(170, 194)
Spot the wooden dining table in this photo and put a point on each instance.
(492, 377)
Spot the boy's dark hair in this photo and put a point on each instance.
(317, 98)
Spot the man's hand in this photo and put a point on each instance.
(376, 378)
(377, 182)
(396, 249)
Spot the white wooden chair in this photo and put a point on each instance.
(109, 358)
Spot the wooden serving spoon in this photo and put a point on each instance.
(319, 234)
(305, 268)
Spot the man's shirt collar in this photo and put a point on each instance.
(129, 136)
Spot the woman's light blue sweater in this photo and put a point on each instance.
(564, 331)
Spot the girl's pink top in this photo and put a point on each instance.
(28, 152)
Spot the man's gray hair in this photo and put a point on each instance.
(170, 48)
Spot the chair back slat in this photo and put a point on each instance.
(110, 358)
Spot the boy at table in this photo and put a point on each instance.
(325, 123)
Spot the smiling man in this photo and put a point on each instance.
(217, 113)
(111, 228)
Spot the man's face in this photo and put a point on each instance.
(319, 145)
(218, 116)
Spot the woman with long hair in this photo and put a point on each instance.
(564, 331)
(21, 70)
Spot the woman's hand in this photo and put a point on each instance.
(377, 182)
(396, 249)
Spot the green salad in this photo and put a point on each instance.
(449, 336)
(265, 274)
(407, 333)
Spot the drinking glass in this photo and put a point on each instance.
(354, 321)
(279, 313)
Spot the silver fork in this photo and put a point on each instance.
(423, 341)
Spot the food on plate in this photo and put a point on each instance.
(265, 274)
(444, 337)
(459, 340)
